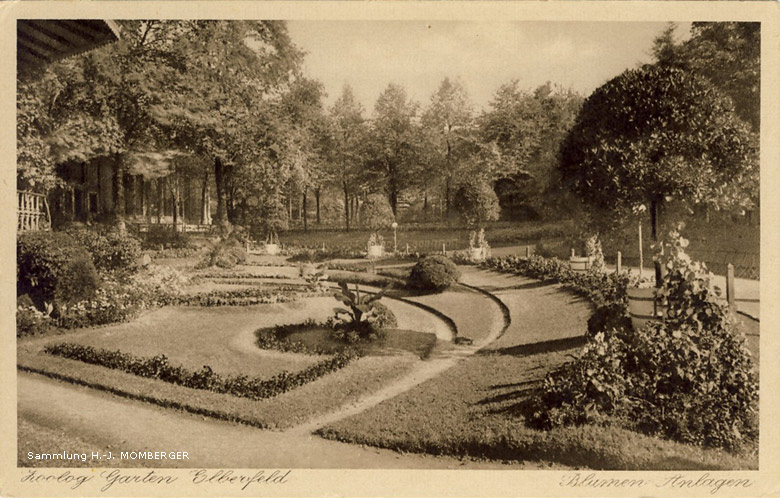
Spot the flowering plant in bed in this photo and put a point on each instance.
(364, 318)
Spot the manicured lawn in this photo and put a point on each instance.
(224, 338)
(430, 236)
(39, 438)
(220, 337)
(321, 396)
(476, 409)
(475, 314)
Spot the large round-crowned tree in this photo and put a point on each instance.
(476, 201)
(656, 133)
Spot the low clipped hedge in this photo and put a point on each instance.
(601, 288)
(433, 273)
(240, 297)
(158, 367)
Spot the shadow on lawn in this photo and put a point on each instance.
(514, 399)
(552, 346)
(526, 286)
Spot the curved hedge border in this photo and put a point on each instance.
(157, 367)
(601, 288)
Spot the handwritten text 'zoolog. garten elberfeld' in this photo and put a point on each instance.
(115, 478)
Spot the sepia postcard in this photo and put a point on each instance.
(389, 248)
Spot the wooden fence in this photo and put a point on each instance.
(32, 211)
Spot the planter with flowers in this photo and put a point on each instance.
(477, 203)
(376, 215)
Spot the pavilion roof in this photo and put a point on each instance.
(40, 42)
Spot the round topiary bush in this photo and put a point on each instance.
(52, 267)
(434, 273)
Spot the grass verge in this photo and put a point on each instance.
(475, 410)
(291, 408)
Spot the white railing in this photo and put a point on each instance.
(32, 212)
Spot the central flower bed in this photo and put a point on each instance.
(319, 338)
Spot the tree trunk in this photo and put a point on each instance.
(144, 199)
(655, 222)
(394, 200)
(119, 195)
(219, 178)
(131, 189)
(447, 195)
(305, 215)
(175, 201)
(346, 209)
(317, 198)
(205, 198)
(160, 200)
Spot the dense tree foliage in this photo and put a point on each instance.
(347, 151)
(656, 133)
(527, 129)
(394, 141)
(726, 53)
(447, 124)
(476, 202)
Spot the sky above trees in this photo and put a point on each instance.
(419, 55)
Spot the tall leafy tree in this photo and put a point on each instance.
(726, 53)
(655, 133)
(229, 72)
(394, 141)
(527, 129)
(307, 138)
(447, 126)
(346, 157)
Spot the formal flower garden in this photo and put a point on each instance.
(427, 280)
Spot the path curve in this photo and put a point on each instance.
(115, 419)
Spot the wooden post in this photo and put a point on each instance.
(407, 248)
(619, 262)
(730, 297)
(527, 251)
(572, 252)
(444, 248)
(641, 256)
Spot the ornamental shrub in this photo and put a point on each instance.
(690, 378)
(382, 317)
(434, 273)
(165, 237)
(694, 386)
(476, 201)
(109, 249)
(30, 321)
(224, 252)
(51, 267)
